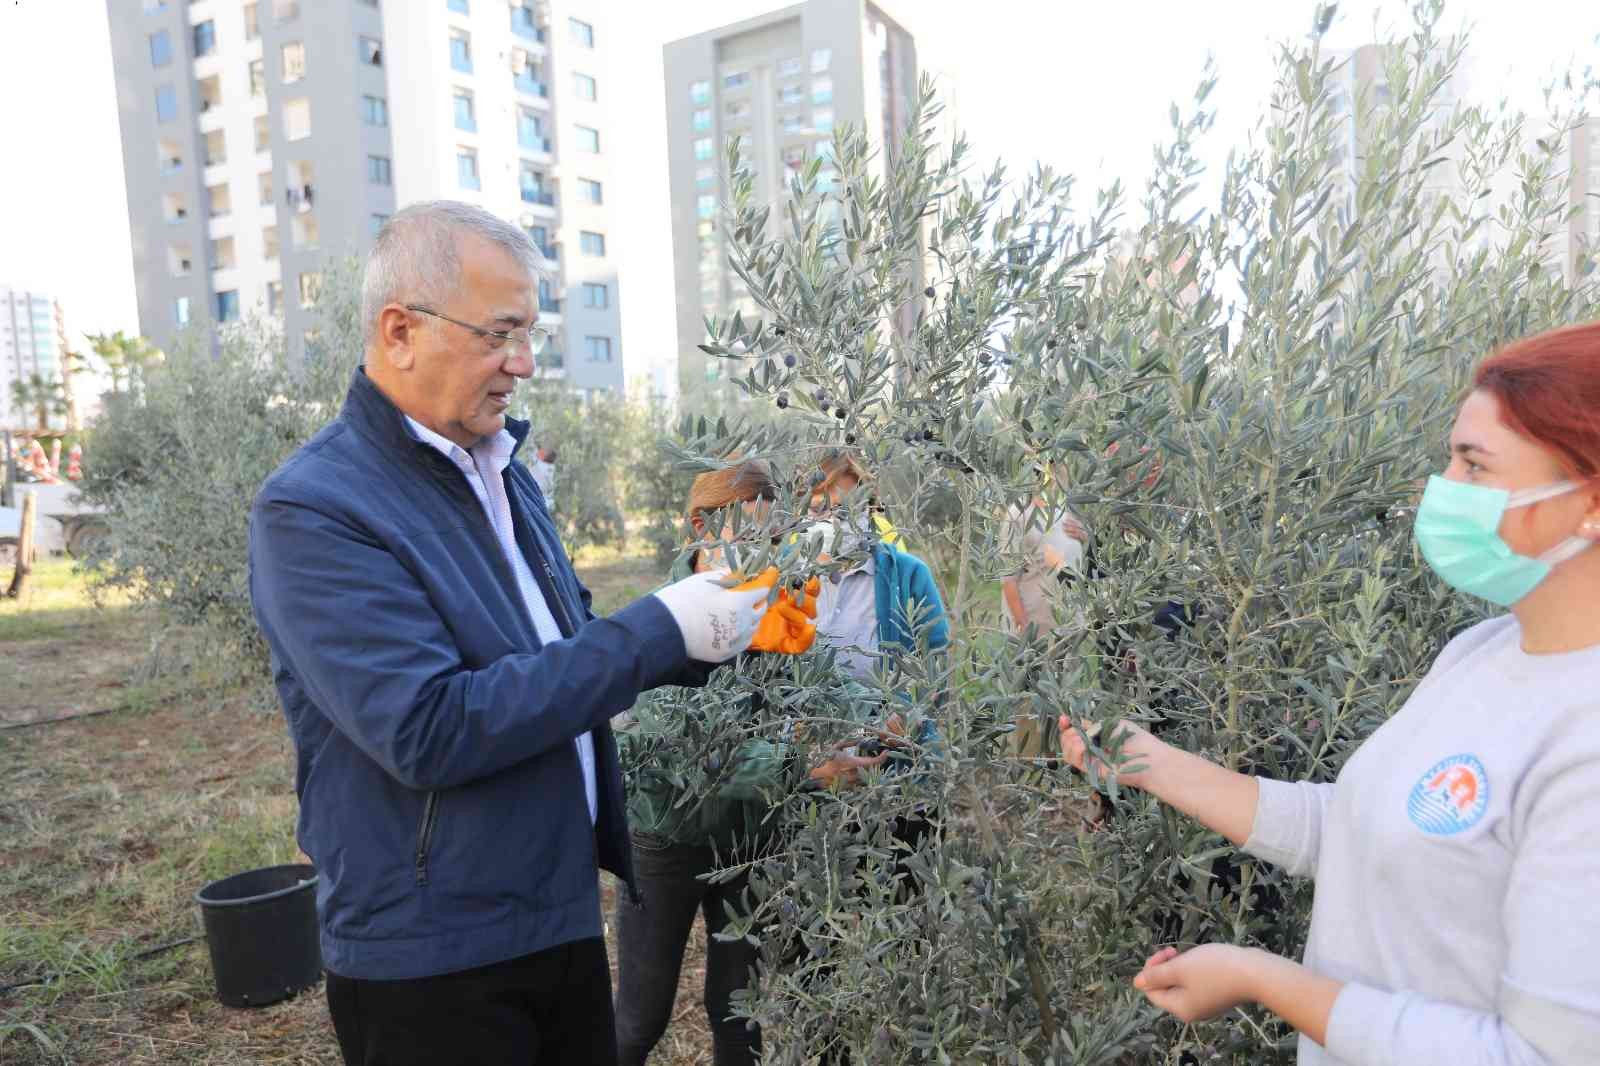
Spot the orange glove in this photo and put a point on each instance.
(787, 627)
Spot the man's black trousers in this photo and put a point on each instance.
(551, 1008)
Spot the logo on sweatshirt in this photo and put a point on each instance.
(1451, 797)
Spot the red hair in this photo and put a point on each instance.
(1548, 386)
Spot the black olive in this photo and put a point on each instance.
(839, 412)
(779, 330)
(927, 434)
(928, 292)
(849, 438)
(789, 361)
(783, 400)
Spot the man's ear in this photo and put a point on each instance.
(396, 337)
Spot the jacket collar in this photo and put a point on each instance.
(374, 416)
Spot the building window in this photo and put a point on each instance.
(264, 188)
(303, 229)
(205, 38)
(216, 148)
(823, 150)
(466, 119)
(263, 127)
(172, 208)
(588, 138)
(705, 177)
(700, 92)
(523, 22)
(584, 87)
(284, 10)
(821, 59)
(294, 62)
(582, 33)
(459, 6)
(166, 103)
(590, 191)
(269, 242)
(380, 170)
(592, 243)
(791, 67)
(160, 48)
(218, 203)
(467, 168)
(374, 111)
(706, 206)
(702, 120)
(297, 119)
(210, 93)
(274, 297)
(170, 158)
(597, 349)
(258, 77)
(740, 109)
(530, 131)
(228, 305)
(704, 148)
(530, 179)
(794, 123)
(180, 311)
(222, 254)
(377, 223)
(794, 159)
(461, 51)
(369, 50)
(822, 91)
(252, 22)
(822, 119)
(737, 80)
(596, 296)
(791, 94)
(310, 288)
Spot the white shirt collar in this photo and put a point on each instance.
(497, 447)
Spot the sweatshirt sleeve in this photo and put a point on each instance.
(1287, 831)
(1547, 1009)
(757, 771)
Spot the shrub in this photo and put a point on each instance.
(1245, 394)
(177, 461)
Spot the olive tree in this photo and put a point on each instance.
(1244, 394)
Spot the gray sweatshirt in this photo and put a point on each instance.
(1457, 861)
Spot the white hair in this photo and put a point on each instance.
(416, 258)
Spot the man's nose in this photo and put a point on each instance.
(519, 363)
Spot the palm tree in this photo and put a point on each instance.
(126, 358)
(46, 396)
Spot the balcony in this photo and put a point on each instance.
(537, 145)
(549, 305)
(549, 251)
(523, 26)
(528, 85)
(541, 197)
(300, 197)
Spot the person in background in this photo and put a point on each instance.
(543, 468)
(447, 687)
(678, 837)
(1455, 855)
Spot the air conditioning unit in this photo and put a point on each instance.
(519, 61)
(527, 219)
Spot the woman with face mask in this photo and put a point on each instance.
(1457, 856)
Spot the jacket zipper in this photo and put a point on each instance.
(430, 815)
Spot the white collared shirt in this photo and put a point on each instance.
(847, 617)
(484, 467)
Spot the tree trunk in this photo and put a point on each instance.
(19, 579)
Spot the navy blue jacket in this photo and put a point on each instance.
(441, 796)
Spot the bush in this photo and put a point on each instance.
(1245, 395)
(177, 461)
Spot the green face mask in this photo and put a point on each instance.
(1458, 530)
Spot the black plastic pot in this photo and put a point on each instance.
(261, 928)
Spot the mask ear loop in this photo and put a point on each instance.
(1529, 497)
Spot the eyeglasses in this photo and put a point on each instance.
(533, 338)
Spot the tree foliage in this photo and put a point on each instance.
(1245, 394)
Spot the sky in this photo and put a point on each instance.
(1085, 87)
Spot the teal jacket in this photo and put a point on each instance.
(687, 781)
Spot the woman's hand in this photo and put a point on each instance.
(843, 770)
(1203, 982)
(1137, 745)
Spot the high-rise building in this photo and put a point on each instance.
(32, 344)
(263, 139)
(1583, 156)
(780, 82)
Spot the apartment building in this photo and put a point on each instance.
(263, 139)
(780, 82)
(32, 342)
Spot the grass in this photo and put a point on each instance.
(111, 822)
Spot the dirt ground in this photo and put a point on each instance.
(110, 822)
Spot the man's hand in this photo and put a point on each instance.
(717, 623)
(844, 769)
(1203, 982)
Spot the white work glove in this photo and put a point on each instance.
(716, 623)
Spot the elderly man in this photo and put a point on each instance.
(446, 686)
